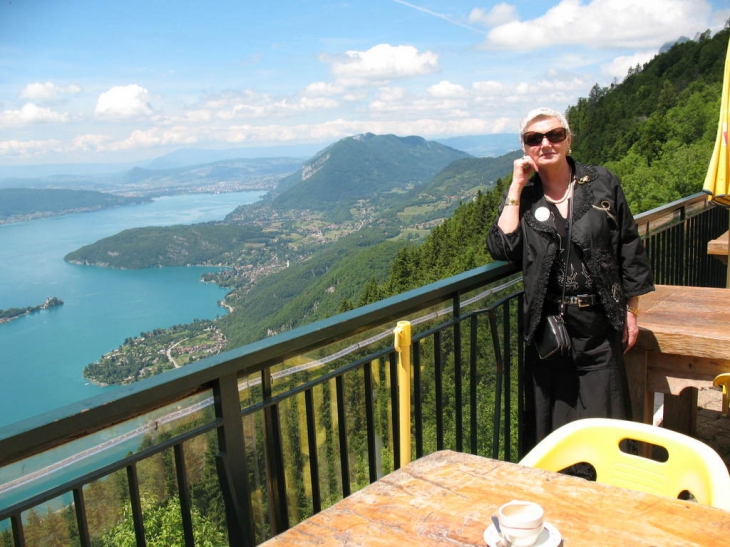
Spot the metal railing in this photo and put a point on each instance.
(676, 236)
(241, 446)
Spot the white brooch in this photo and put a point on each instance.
(542, 214)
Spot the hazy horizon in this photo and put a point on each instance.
(88, 82)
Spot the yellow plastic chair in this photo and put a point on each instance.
(691, 465)
(724, 381)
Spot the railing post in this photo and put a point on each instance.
(402, 345)
(231, 462)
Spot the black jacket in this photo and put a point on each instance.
(603, 229)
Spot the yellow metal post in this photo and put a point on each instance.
(402, 345)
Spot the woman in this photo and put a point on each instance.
(607, 270)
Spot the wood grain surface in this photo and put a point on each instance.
(448, 498)
(685, 321)
(718, 247)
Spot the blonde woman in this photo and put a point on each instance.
(594, 277)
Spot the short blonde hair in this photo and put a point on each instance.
(543, 112)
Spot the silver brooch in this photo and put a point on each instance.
(542, 214)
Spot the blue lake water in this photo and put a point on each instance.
(43, 354)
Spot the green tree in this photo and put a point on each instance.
(163, 527)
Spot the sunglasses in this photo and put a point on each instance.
(533, 138)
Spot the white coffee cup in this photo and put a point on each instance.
(521, 522)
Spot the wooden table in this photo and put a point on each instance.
(718, 247)
(684, 342)
(448, 498)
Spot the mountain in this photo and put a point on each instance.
(231, 175)
(342, 272)
(364, 167)
(196, 156)
(80, 173)
(39, 170)
(298, 268)
(224, 175)
(484, 145)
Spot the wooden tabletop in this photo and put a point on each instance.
(718, 247)
(685, 321)
(448, 498)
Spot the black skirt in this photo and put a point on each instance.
(589, 383)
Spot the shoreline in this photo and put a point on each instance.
(49, 303)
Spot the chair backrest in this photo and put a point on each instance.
(690, 465)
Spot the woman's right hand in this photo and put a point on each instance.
(522, 171)
(509, 220)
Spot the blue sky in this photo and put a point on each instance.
(87, 81)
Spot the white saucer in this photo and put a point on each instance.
(549, 537)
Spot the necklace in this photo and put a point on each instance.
(568, 192)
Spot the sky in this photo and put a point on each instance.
(95, 81)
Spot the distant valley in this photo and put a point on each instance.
(321, 234)
(232, 175)
(38, 191)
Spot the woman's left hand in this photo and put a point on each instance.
(631, 331)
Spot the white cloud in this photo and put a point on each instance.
(382, 63)
(490, 88)
(156, 137)
(619, 67)
(391, 93)
(718, 19)
(90, 143)
(122, 102)
(604, 23)
(339, 128)
(316, 103)
(47, 92)
(322, 89)
(446, 89)
(29, 114)
(499, 15)
(249, 104)
(28, 148)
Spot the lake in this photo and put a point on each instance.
(44, 354)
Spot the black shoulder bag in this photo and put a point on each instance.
(552, 336)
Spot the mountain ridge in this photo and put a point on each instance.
(363, 167)
(494, 144)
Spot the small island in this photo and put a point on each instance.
(13, 313)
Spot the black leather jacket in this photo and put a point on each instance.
(604, 230)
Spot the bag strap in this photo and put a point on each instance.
(569, 244)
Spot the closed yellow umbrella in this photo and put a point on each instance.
(718, 172)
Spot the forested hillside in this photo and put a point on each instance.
(18, 204)
(349, 273)
(459, 181)
(311, 290)
(362, 167)
(657, 128)
(200, 244)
